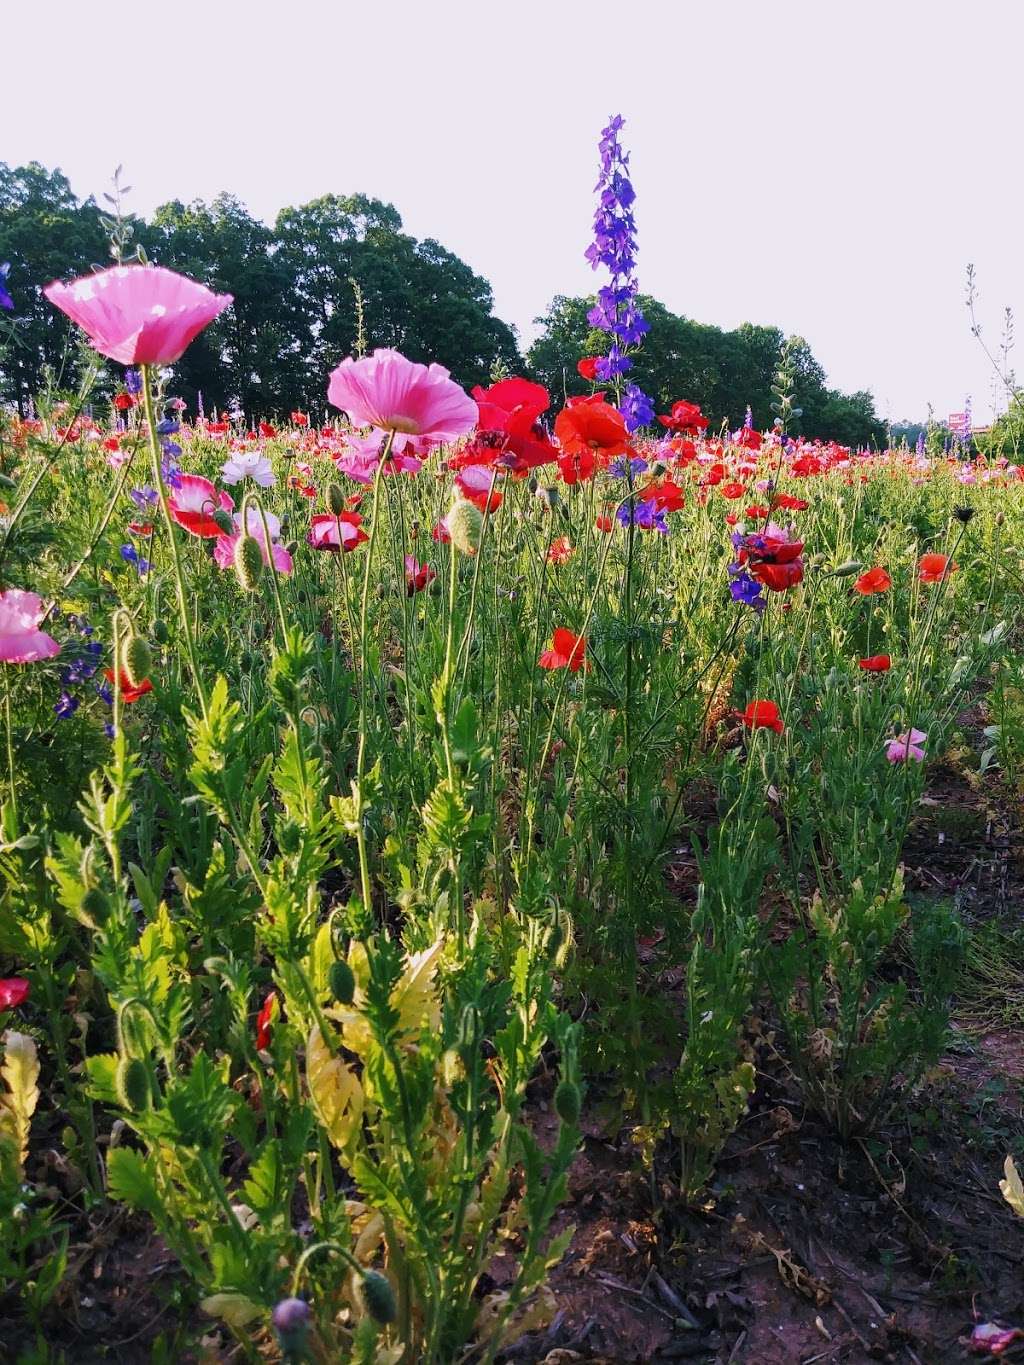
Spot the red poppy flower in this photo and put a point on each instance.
(512, 409)
(755, 511)
(440, 533)
(140, 528)
(417, 576)
(875, 580)
(934, 568)
(267, 431)
(732, 490)
(300, 419)
(778, 577)
(731, 518)
(218, 428)
(13, 992)
(685, 417)
(128, 692)
(878, 663)
(567, 651)
(604, 522)
(683, 449)
(666, 496)
(763, 715)
(560, 550)
(587, 368)
(264, 1019)
(790, 503)
(749, 439)
(123, 402)
(590, 429)
(112, 444)
(713, 475)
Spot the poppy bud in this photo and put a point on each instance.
(291, 547)
(7, 482)
(1000, 519)
(131, 1080)
(465, 524)
(657, 469)
(94, 902)
(963, 514)
(290, 1319)
(567, 1101)
(136, 659)
(335, 499)
(379, 1297)
(248, 562)
(160, 632)
(847, 569)
(342, 981)
(223, 520)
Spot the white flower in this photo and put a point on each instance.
(248, 466)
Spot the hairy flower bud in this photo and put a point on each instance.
(379, 1297)
(465, 524)
(848, 568)
(567, 1102)
(342, 981)
(131, 1080)
(160, 632)
(248, 562)
(335, 499)
(136, 659)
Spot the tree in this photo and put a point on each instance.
(46, 234)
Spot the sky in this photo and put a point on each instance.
(826, 166)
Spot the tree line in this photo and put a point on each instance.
(339, 268)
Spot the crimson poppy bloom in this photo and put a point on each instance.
(666, 496)
(587, 368)
(875, 580)
(934, 568)
(123, 402)
(685, 417)
(749, 439)
(763, 715)
(128, 692)
(299, 419)
(567, 651)
(774, 559)
(603, 522)
(440, 533)
(590, 428)
(790, 503)
(732, 490)
(13, 992)
(878, 663)
(267, 431)
(263, 1021)
(755, 511)
(560, 550)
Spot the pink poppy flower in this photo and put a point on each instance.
(905, 746)
(21, 640)
(193, 503)
(224, 552)
(138, 314)
(386, 390)
(417, 576)
(324, 531)
(13, 992)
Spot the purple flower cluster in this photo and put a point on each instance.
(621, 467)
(614, 247)
(5, 299)
(645, 515)
(84, 659)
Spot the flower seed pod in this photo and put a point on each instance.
(131, 1081)
(223, 520)
(136, 659)
(248, 562)
(160, 632)
(379, 1297)
(848, 568)
(567, 1102)
(342, 981)
(335, 499)
(963, 514)
(465, 524)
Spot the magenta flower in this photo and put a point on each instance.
(138, 314)
(193, 502)
(906, 746)
(224, 552)
(386, 390)
(21, 640)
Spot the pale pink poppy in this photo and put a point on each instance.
(224, 552)
(386, 390)
(21, 640)
(906, 746)
(193, 502)
(138, 314)
(361, 454)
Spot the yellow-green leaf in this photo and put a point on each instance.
(335, 1090)
(20, 1072)
(1012, 1187)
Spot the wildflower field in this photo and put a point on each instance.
(494, 877)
